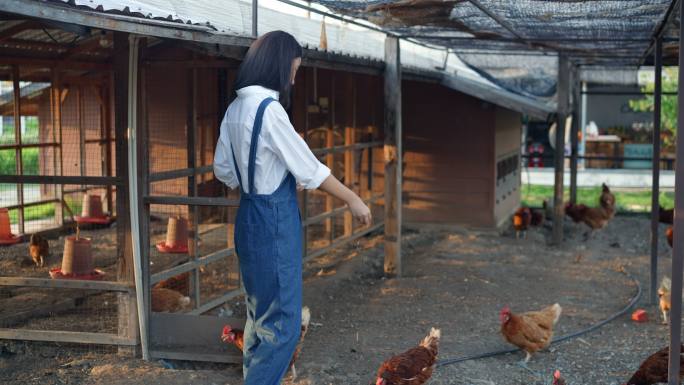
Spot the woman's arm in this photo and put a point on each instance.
(223, 162)
(359, 209)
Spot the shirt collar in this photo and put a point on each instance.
(258, 90)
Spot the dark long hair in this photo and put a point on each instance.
(268, 63)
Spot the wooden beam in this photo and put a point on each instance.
(11, 31)
(193, 212)
(83, 46)
(11, 59)
(69, 337)
(349, 175)
(17, 139)
(574, 139)
(678, 249)
(655, 187)
(393, 155)
(559, 154)
(127, 305)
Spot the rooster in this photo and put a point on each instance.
(414, 366)
(38, 249)
(664, 297)
(236, 337)
(531, 331)
(665, 215)
(669, 235)
(654, 369)
(522, 218)
(168, 301)
(594, 217)
(537, 217)
(557, 379)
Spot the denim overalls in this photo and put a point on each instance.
(268, 242)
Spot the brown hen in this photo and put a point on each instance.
(531, 331)
(414, 366)
(654, 369)
(168, 301)
(38, 249)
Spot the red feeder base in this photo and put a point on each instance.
(94, 220)
(639, 316)
(95, 275)
(13, 239)
(163, 248)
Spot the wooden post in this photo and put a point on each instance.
(655, 188)
(559, 157)
(575, 86)
(193, 211)
(330, 161)
(57, 138)
(17, 140)
(128, 314)
(678, 250)
(392, 154)
(349, 176)
(80, 117)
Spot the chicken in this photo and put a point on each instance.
(522, 218)
(665, 215)
(537, 217)
(38, 249)
(594, 217)
(233, 336)
(654, 369)
(237, 337)
(306, 319)
(168, 301)
(531, 331)
(557, 379)
(179, 283)
(664, 297)
(414, 366)
(669, 235)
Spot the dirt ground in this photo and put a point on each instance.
(455, 279)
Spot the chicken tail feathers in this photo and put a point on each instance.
(306, 316)
(556, 311)
(666, 284)
(431, 341)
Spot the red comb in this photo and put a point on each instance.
(226, 329)
(556, 374)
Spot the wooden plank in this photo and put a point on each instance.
(66, 284)
(127, 305)
(345, 148)
(393, 158)
(216, 302)
(56, 106)
(193, 213)
(198, 201)
(63, 336)
(559, 154)
(17, 139)
(191, 265)
(574, 139)
(180, 173)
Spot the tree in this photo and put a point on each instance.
(668, 106)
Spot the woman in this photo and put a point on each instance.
(272, 160)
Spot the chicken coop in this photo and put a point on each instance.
(118, 234)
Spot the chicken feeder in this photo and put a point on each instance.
(92, 211)
(77, 261)
(6, 236)
(176, 236)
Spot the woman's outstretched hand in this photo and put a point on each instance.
(360, 211)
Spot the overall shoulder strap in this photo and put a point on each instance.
(256, 130)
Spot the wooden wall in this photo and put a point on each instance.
(508, 130)
(450, 148)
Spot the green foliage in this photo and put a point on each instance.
(669, 104)
(627, 201)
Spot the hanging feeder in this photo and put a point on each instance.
(176, 236)
(6, 236)
(92, 211)
(77, 261)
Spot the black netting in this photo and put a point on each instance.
(510, 51)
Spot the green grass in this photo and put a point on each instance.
(627, 201)
(43, 211)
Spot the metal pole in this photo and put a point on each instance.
(133, 190)
(655, 190)
(678, 250)
(559, 156)
(573, 134)
(255, 18)
(583, 122)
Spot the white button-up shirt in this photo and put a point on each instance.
(280, 149)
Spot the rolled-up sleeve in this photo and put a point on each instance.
(224, 169)
(292, 149)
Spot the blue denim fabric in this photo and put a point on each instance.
(268, 242)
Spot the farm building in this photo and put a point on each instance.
(77, 80)
(110, 112)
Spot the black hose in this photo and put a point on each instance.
(632, 302)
